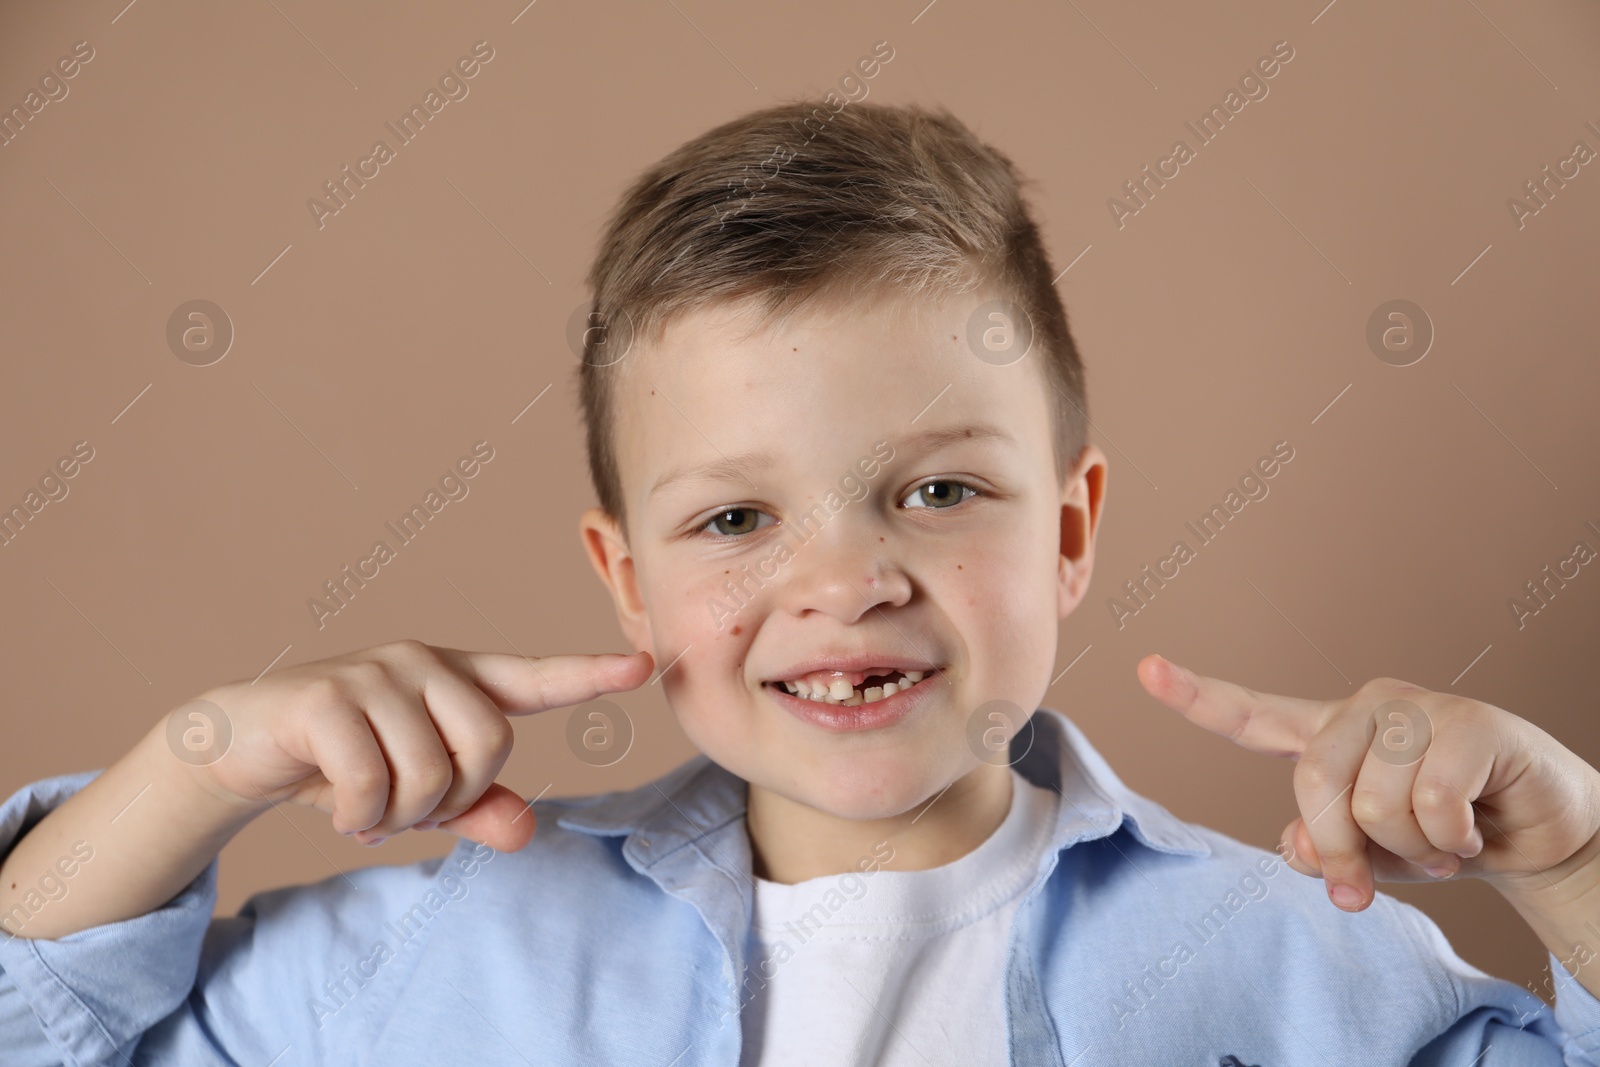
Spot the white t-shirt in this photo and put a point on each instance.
(899, 968)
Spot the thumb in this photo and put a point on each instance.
(500, 819)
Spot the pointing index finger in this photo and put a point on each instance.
(1262, 722)
(522, 685)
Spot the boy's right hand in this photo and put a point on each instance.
(399, 734)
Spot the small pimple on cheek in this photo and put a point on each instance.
(737, 630)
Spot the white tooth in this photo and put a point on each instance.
(873, 693)
(914, 676)
(812, 688)
(890, 689)
(840, 689)
(791, 687)
(855, 698)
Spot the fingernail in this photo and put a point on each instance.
(376, 841)
(1440, 872)
(1346, 896)
(432, 824)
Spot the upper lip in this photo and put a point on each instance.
(845, 664)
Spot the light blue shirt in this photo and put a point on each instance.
(620, 934)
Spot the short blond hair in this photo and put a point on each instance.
(798, 204)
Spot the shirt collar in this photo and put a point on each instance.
(700, 797)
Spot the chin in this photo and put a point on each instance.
(875, 786)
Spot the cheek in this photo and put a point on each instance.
(691, 604)
(710, 624)
(712, 606)
(1007, 598)
(1002, 575)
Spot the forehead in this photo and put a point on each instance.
(818, 387)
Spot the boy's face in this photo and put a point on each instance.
(962, 555)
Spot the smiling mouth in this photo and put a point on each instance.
(840, 692)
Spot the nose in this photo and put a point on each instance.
(845, 571)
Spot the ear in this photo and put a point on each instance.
(608, 551)
(1083, 495)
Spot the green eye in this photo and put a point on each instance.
(734, 522)
(939, 494)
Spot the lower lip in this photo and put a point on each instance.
(842, 719)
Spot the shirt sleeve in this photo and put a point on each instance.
(1498, 1024)
(302, 975)
(81, 998)
(1577, 1012)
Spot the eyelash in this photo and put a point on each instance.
(701, 530)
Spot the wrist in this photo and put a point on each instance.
(164, 756)
(1564, 896)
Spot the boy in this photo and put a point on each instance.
(845, 500)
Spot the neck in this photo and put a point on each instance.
(792, 842)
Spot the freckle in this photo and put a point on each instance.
(959, 567)
(737, 630)
(880, 539)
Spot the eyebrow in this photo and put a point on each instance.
(744, 464)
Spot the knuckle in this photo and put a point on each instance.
(409, 651)
(1371, 807)
(1340, 857)
(1315, 772)
(366, 675)
(326, 692)
(1245, 721)
(367, 778)
(498, 737)
(1433, 794)
(1380, 687)
(429, 774)
(411, 660)
(1470, 717)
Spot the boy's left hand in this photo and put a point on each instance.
(1400, 784)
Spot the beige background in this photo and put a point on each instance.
(370, 354)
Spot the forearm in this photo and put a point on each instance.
(1562, 907)
(122, 846)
